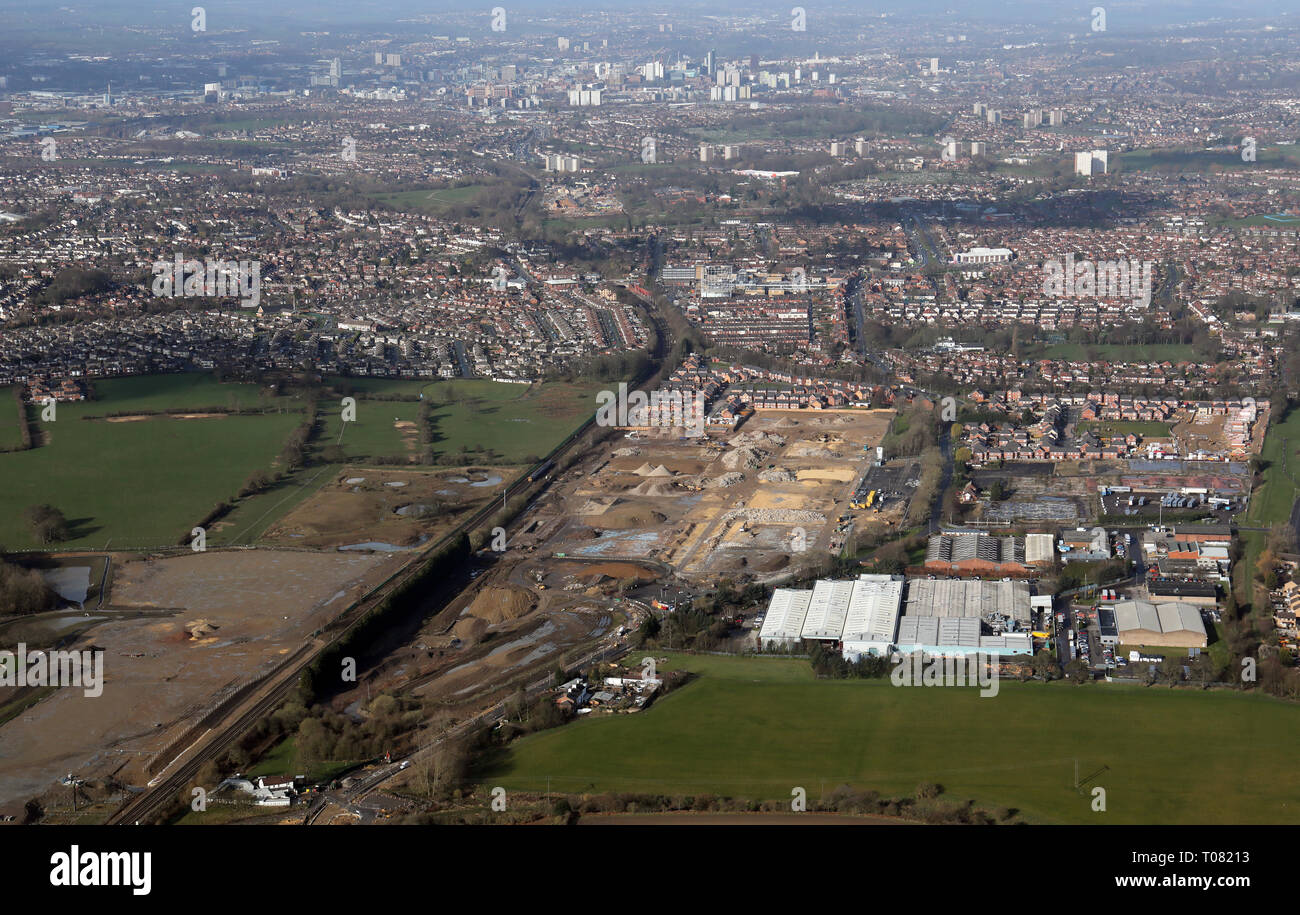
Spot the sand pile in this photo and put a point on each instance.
(618, 570)
(772, 563)
(469, 629)
(496, 605)
(653, 489)
(644, 470)
(660, 471)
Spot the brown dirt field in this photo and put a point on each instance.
(615, 570)
(249, 610)
(343, 513)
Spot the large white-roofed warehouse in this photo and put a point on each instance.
(827, 610)
(860, 614)
(783, 624)
(872, 621)
(956, 635)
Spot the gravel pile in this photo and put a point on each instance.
(774, 516)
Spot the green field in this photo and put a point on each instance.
(140, 483)
(1257, 221)
(435, 201)
(1180, 161)
(756, 728)
(1113, 352)
(149, 393)
(374, 433)
(514, 421)
(1271, 503)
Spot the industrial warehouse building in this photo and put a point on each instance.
(860, 613)
(783, 625)
(1040, 549)
(827, 610)
(1085, 545)
(950, 636)
(872, 619)
(938, 635)
(977, 553)
(1192, 592)
(1175, 624)
(977, 599)
(862, 616)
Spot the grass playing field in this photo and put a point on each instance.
(144, 482)
(757, 728)
(513, 421)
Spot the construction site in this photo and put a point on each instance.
(745, 503)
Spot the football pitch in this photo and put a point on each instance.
(757, 728)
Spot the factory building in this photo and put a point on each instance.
(783, 624)
(1174, 624)
(1040, 549)
(988, 600)
(954, 636)
(862, 616)
(872, 621)
(976, 553)
(827, 610)
(859, 615)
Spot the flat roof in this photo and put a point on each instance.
(1181, 588)
(967, 598)
(1040, 548)
(933, 630)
